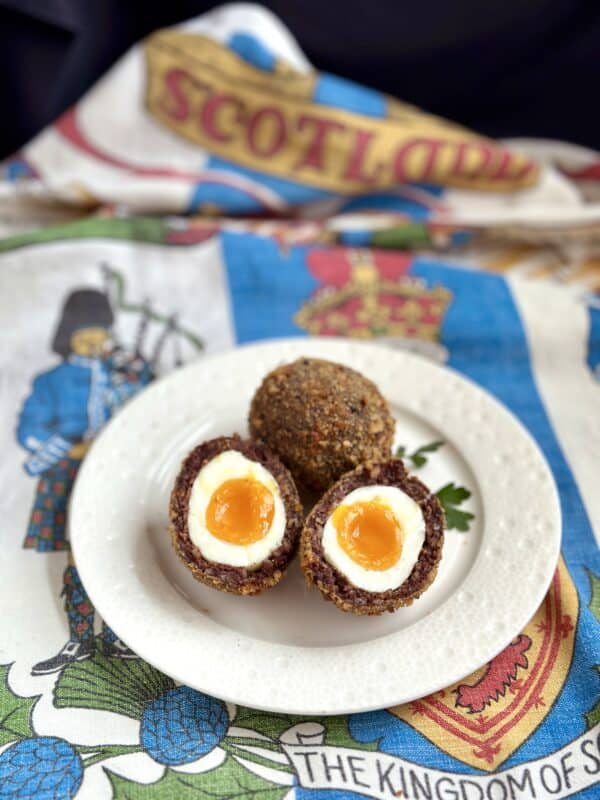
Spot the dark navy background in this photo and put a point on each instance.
(503, 67)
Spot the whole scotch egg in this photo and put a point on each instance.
(321, 419)
(235, 515)
(374, 541)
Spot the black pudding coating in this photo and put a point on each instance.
(332, 584)
(237, 580)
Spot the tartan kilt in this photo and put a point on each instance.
(46, 531)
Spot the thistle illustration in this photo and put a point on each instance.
(45, 767)
(182, 725)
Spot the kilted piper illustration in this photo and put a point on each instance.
(66, 407)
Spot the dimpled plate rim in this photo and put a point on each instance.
(452, 641)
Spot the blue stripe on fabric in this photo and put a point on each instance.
(239, 201)
(593, 343)
(390, 203)
(252, 50)
(487, 342)
(330, 90)
(356, 238)
(223, 199)
(267, 286)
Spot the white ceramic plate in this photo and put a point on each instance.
(288, 650)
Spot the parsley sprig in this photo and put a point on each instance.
(450, 495)
(417, 458)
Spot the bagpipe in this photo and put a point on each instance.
(156, 335)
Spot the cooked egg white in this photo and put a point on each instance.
(227, 466)
(411, 520)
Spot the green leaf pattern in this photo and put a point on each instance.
(592, 717)
(594, 604)
(273, 725)
(126, 687)
(229, 781)
(110, 684)
(15, 711)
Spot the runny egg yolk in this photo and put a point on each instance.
(240, 511)
(369, 533)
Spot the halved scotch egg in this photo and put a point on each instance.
(374, 541)
(235, 515)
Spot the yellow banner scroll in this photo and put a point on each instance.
(267, 121)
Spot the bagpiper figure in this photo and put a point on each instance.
(66, 407)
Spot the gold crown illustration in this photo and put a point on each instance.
(369, 305)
